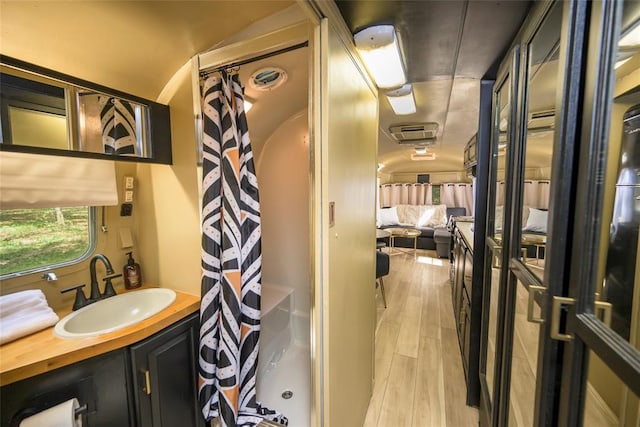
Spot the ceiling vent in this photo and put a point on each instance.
(542, 120)
(415, 133)
(267, 78)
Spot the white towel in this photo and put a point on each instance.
(17, 299)
(15, 304)
(23, 313)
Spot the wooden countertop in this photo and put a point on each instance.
(43, 351)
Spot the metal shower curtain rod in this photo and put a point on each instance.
(204, 73)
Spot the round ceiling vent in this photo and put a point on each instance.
(268, 78)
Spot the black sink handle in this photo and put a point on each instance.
(81, 299)
(108, 286)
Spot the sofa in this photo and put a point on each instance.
(430, 220)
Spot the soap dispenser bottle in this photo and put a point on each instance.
(131, 273)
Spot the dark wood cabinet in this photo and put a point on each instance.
(461, 294)
(101, 383)
(165, 377)
(467, 303)
(150, 383)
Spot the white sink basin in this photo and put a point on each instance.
(114, 313)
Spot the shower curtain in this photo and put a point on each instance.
(231, 262)
(118, 121)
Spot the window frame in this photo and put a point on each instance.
(93, 242)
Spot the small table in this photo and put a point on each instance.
(537, 240)
(411, 233)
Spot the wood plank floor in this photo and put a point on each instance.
(419, 381)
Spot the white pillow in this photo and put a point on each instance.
(389, 216)
(537, 220)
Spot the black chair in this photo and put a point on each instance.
(382, 269)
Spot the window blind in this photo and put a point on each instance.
(42, 181)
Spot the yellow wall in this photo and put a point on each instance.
(351, 111)
(169, 217)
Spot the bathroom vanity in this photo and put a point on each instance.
(142, 375)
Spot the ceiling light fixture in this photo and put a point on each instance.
(421, 150)
(402, 100)
(428, 156)
(379, 49)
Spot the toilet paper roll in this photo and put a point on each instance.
(62, 415)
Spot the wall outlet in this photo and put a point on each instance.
(126, 209)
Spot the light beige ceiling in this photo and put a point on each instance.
(132, 46)
(453, 104)
(448, 46)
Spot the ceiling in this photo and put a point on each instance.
(132, 46)
(448, 47)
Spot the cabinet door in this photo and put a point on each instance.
(99, 382)
(164, 377)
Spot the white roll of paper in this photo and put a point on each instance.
(62, 415)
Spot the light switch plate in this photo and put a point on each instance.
(128, 196)
(128, 182)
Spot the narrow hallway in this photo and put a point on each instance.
(419, 379)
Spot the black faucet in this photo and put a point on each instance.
(95, 290)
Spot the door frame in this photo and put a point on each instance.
(587, 331)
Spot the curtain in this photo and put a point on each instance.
(447, 194)
(396, 194)
(385, 195)
(414, 194)
(118, 119)
(464, 197)
(231, 262)
(536, 194)
(428, 194)
(405, 194)
(543, 194)
(500, 186)
(531, 195)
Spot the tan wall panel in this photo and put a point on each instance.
(169, 218)
(434, 177)
(351, 176)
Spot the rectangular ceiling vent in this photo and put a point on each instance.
(415, 133)
(542, 119)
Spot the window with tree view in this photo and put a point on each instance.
(35, 239)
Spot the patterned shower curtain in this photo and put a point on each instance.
(231, 262)
(118, 120)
